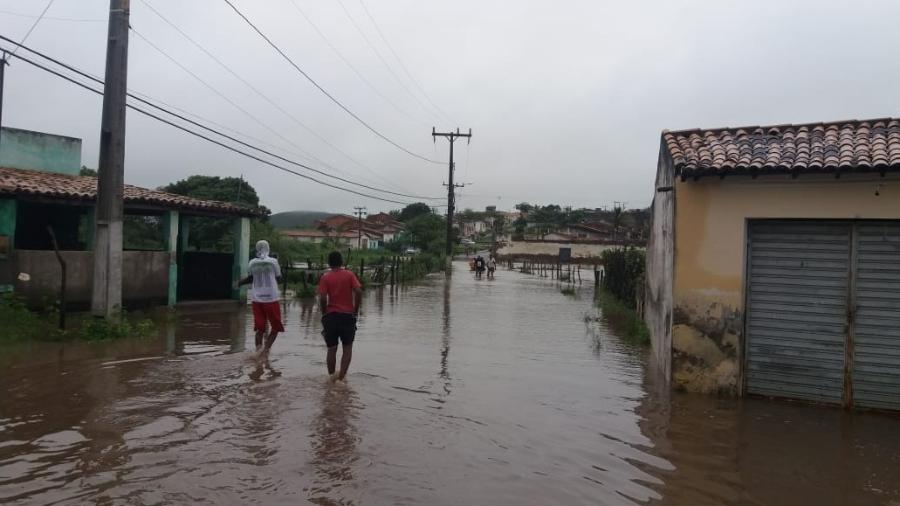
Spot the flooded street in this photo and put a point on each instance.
(461, 392)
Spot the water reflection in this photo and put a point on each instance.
(334, 442)
(548, 406)
(445, 337)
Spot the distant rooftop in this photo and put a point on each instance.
(843, 146)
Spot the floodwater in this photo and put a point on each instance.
(461, 392)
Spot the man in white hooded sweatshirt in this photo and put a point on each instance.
(264, 277)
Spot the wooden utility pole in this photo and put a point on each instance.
(359, 211)
(451, 188)
(106, 298)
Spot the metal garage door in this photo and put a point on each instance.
(823, 312)
(797, 309)
(876, 326)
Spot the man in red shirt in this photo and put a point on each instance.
(340, 294)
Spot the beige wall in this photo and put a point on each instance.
(579, 250)
(710, 244)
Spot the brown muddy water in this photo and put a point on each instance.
(462, 392)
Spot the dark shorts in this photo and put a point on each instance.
(264, 312)
(339, 326)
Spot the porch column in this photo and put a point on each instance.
(90, 217)
(170, 232)
(241, 256)
(7, 239)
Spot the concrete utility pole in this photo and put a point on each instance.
(106, 298)
(3, 64)
(451, 188)
(359, 211)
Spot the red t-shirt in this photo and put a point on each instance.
(339, 285)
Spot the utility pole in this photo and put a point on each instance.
(451, 188)
(3, 63)
(359, 211)
(106, 298)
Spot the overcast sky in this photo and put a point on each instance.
(566, 99)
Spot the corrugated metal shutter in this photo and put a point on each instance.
(876, 334)
(797, 309)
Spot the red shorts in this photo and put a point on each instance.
(267, 312)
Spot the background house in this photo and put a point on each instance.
(774, 261)
(40, 188)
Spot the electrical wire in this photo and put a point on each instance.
(350, 65)
(402, 66)
(217, 132)
(207, 138)
(381, 58)
(210, 139)
(323, 90)
(33, 26)
(271, 102)
(52, 18)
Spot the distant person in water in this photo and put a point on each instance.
(264, 276)
(479, 266)
(340, 294)
(491, 266)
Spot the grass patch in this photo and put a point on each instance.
(623, 319)
(19, 324)
(98, 329)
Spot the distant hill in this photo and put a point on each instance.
(297, 219)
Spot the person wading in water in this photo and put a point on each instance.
(265, 274)
(340, 294)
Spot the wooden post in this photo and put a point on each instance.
(62, 280)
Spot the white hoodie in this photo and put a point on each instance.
(265, 272)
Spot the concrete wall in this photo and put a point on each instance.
(145, 277)
(24, 149)
(658, 303)
(552, 248)
(710, 248)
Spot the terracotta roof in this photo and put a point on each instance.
(852, 146)
(347, 234)
(315, 233)
(65, 187)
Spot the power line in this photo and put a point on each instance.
(212, 130)
(33, 26)
(52, 18)
(271, 102)
(210, 139)
(213, 89)
(323, 90)
(381, 58)
(402, 66)
(349, 64)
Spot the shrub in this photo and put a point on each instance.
(624, 274)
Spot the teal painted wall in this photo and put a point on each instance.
(7, 237)
(241, 256)
(24, 149)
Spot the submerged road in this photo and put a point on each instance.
(462, 391)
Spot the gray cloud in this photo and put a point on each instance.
(566, 99)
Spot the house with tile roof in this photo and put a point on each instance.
(40, 190)
(773, 265)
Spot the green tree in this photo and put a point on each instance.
(211, 233)
(524, 207)
(413, 211)
(428, 233)
(87, 171)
